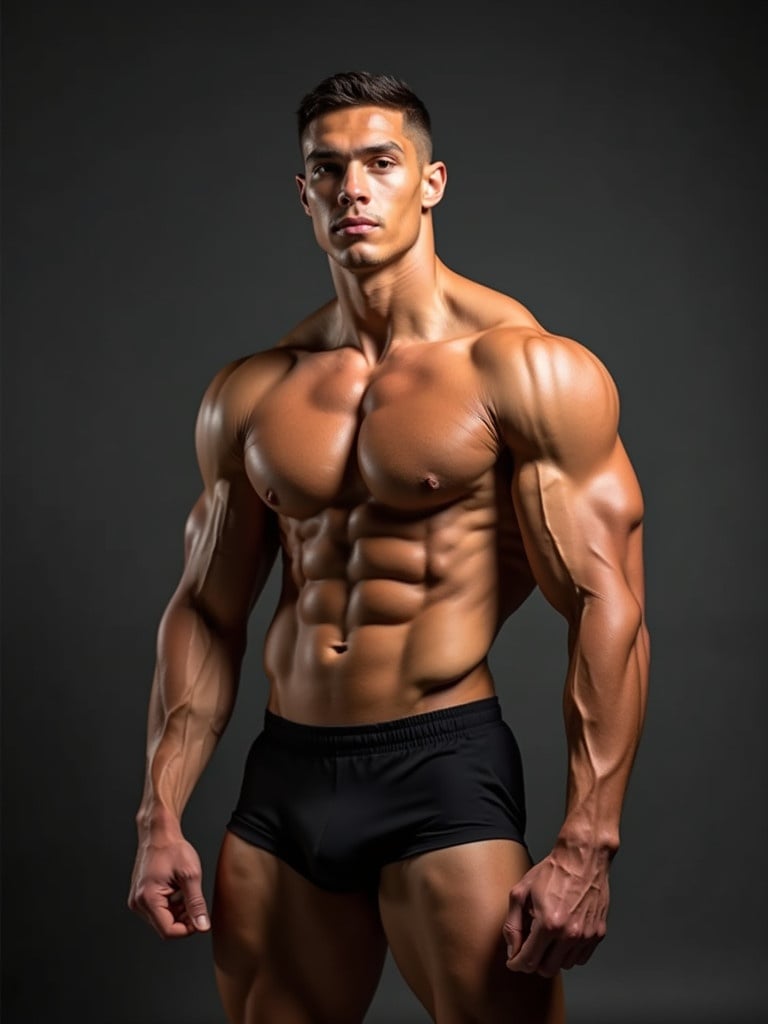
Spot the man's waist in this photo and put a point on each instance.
(347, 697)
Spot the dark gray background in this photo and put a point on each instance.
(606, 168)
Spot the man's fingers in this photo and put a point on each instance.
(167, 928)
(514, 940)
(559, 957)
(164, 918)
(166, 889)
(557, 954)
(532, 952)
(167, 912)
(571, 957)
(515, 927)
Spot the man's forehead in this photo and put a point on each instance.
(352, 128)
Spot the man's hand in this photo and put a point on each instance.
(557, 912)
(166, 888)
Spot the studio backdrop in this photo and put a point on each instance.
(606, 168)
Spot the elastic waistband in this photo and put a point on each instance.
(410, 731)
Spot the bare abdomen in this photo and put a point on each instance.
(382, 614)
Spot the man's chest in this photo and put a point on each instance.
(411, 433)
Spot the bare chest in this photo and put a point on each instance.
(411, 433)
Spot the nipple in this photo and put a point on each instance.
(431, 481)
(271, 497)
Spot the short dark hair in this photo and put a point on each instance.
(360, 89)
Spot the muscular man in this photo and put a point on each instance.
(421, 453)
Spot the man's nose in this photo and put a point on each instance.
(353, 187)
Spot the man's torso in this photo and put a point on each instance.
(401, 550)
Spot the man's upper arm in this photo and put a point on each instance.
(230, 536)
(577, 498)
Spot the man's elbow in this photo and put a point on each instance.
(225, 625)
(620, 614)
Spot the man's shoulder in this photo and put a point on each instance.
(543, 387)
(507, 330)
(238, 386)
(263, 366)
(507, 337)
(481, 309)
(527, 356)
(247, 377)
(315, 333)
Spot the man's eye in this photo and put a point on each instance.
(323, 169)
(383, 163)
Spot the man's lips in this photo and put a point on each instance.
(355, 226)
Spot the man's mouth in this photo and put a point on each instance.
(354, 226)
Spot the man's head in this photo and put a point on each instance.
(368, 183)
(363, 89)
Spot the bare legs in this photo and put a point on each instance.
(288, 951)
(443, 913)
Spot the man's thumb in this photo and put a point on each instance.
(195, 905)
(514, 929)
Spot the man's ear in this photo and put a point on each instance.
(434, 180)
(301, 184)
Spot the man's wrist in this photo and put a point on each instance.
(158, 821)
(589, 842)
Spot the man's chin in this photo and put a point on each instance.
(359, 257)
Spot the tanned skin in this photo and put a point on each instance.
(422, 453)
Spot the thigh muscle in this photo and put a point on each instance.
(443, 913)
(286, 950)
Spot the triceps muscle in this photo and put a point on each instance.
(582, 538)
(230, 547)
(540, 496)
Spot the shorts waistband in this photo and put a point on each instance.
(399, 732)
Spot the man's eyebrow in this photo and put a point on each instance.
(336, 154)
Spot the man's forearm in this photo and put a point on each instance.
(192, 697)
(604, 707)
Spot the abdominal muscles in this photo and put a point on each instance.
(385, 614)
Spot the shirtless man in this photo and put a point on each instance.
(422, 453)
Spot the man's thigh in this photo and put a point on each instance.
(286, 950)
(443, 913)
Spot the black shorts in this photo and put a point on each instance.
(338, 803)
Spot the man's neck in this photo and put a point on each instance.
(400, 302)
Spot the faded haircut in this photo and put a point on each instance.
(362, 89)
